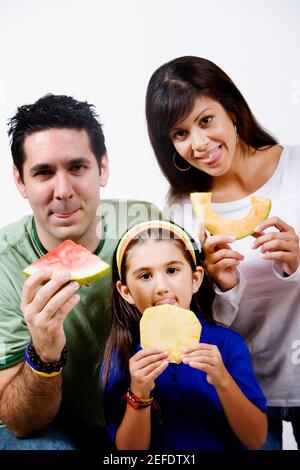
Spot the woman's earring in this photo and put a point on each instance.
(178, 167)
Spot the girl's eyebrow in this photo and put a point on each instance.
(145, 268)
(149, 268)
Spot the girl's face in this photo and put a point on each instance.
(158, 273)
(206, 138)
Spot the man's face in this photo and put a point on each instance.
(61, 180)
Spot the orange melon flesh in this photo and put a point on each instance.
(84, 266)
(240, 228)
(170, 328)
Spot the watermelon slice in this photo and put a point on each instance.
(84, 266)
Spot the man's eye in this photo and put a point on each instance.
(43, 173)
(77, 168)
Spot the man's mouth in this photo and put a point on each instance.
(64, 214)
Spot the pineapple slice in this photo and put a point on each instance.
(170, 328)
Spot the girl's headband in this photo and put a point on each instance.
(152, 224)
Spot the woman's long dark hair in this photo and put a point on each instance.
(171, 95)
(124, 332)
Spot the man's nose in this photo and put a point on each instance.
(63, 189)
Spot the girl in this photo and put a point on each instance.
(209, 401)
(205, 138)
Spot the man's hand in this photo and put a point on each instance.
(45, 310)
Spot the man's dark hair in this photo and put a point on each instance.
(54, 112)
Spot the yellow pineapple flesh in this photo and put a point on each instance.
(170, 328)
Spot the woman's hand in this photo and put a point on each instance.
(221, 261)
(145, 366)
(207, 357)
(281, 246)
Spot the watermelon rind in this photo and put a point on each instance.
(81, 279)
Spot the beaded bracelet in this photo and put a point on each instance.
(45, 369)
(136, 402)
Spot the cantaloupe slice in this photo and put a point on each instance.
(170, 328)
(240, 228)
(84, 266)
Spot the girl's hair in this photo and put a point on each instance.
(124, 332)
(171, 95)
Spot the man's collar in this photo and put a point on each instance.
(41, 250)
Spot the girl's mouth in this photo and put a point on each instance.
(169, 301)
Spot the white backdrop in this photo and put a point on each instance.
(104, 51)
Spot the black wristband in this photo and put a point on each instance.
(47, 367)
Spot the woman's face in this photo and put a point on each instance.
(206, 138)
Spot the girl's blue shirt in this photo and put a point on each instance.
(190, 415)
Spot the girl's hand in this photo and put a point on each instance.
(145, 366)
(282, 246)
(221, 261)
(207, 357)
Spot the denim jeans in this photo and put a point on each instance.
(50, 439)
(276, 415)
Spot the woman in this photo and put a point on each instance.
(205, 138)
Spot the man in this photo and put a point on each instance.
(60, 162)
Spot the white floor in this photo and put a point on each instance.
(289, 442)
